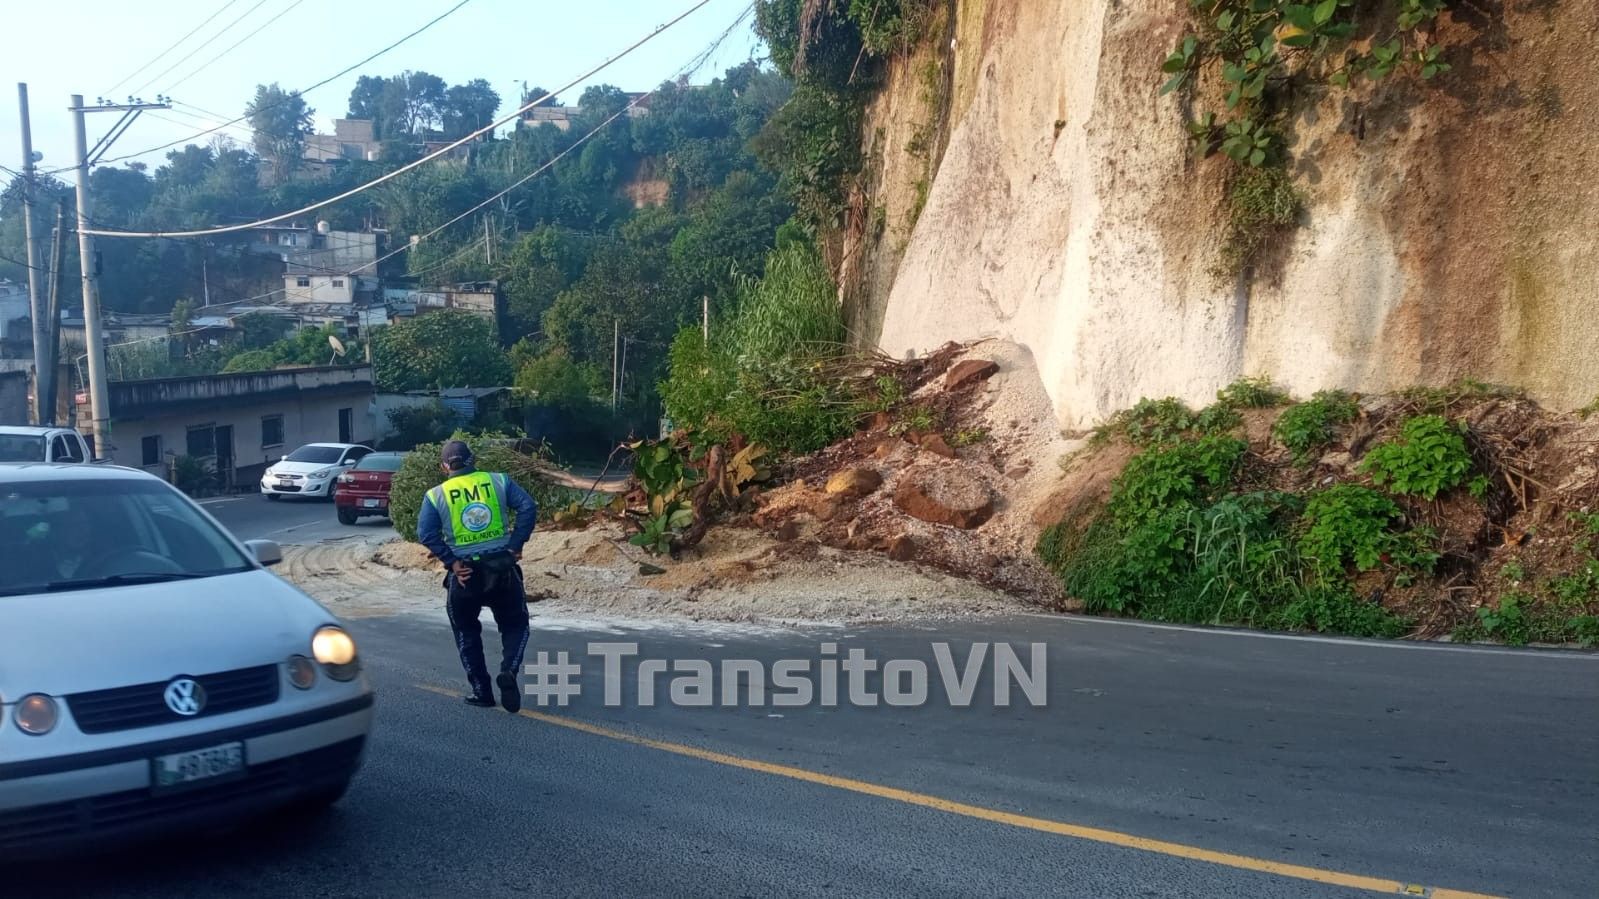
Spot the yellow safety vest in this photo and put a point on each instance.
(474, 512)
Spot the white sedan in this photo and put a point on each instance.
(311, 470)
(153, 674)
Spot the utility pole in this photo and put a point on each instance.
(31, 254)
(616, 349)
(52, 342)
(99, 393)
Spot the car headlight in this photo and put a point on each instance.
(36, 714)
(323, 474)
(335, 650)
(302, 672)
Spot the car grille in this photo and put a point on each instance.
(144, 705)
(138, 809)
(286, 488)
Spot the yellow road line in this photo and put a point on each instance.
(1044, 825)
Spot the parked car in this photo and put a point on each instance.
(364, 489)
(23, 444)
(311, 470)
(153, 674)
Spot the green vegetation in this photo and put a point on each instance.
(1305, 428)
(771, 372)
(448, 348)
(420, 473)
(1255, 56)
(1429, 458)
(1252, 393)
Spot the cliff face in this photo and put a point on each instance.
(1451, 229)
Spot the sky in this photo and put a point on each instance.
(87, 46)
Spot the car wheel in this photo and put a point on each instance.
(273, 497)
(347, 515)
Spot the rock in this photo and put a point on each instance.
(647, 569)
(1018, 472)
(902, 548)
(945, 495)
(884, 449)
(969, 371)
(787, 532)
(854, 482)
(827, 506)
(990, 560)
(1072, 604)
(532, 596)
(935, 443)
(880, 421)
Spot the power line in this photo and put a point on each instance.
(305, 90)
(279, 15)
(203, 45)
(419, 162)
(689, 68)
(174, 46)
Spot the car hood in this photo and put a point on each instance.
(300, 467)
(73, 641)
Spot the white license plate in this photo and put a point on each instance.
(285, 482)
(370, 503)
(180, 768)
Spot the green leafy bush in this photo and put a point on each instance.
(1179, 475)
(1306, 427)
(1336, 609)
(1428, 458)
(1348, 523)
(420, 472)
(1262, 204)
(1251, 393)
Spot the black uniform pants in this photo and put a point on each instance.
(506, 601)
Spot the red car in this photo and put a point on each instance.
(364, 489)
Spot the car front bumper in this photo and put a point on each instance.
(303, 487)
(52, 804)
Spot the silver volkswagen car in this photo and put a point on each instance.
(153, 674)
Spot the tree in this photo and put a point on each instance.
(555, 381)
(448, 348)
(366, 100)
(469, 107)
(280, 121)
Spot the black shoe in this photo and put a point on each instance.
(510, 693)
(482, 702)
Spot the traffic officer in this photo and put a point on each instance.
(464, 524)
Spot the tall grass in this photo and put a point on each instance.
(793, 309)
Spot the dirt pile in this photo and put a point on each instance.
(1516, 541)
(951, 481)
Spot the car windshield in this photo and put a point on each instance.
(21, 448)
(322, 455)
(78, 534)
(381, 462)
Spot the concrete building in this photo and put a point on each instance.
(352, 139)
(239, 423)
(16, 321)
(15, 399)
(338, 267)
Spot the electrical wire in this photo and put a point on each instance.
(203, 45)
(419, 162)
(173, 46)
(692, 66)
(305, 90)
(259, 28)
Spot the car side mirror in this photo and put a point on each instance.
(266, 552)
(348, 462)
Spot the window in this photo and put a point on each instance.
(66, 450)
(271, 430)
(338, 282)
(302, 281)
(201, 441)
(150, 448)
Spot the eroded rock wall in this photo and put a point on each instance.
(1451, 229)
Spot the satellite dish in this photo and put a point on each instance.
(338, 348)
(416, 239)
(323, 227)
(37, 156)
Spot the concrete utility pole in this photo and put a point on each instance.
(99, 393)
(616, 349)
(52, 343)
(31, 255)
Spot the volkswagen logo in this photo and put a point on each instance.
(185, 696)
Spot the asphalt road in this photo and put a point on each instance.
(1444, 768)
(290, 520)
